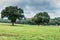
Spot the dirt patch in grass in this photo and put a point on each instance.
(10, 35)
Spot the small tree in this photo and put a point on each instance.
(13, 13)
(41, 18)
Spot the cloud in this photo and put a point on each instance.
(56, 2)
(31, 7)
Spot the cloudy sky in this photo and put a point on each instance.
(31, 7)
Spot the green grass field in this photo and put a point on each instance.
(28, 32)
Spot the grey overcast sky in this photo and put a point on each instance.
(31, 7)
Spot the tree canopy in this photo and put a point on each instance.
(41, 18)
(13, 13)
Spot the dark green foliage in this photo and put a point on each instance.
(55, 21)
(41, 18)
(13, 13)
(26, 21)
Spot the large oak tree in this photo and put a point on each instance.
(12, 13)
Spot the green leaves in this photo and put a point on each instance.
(12, 12)
(41, 18)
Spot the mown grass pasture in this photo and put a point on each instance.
(28, 32)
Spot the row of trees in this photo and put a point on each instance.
(55, 21)
(13, 13)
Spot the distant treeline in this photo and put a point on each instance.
(54, 21)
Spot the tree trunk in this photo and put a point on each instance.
(12, 23)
